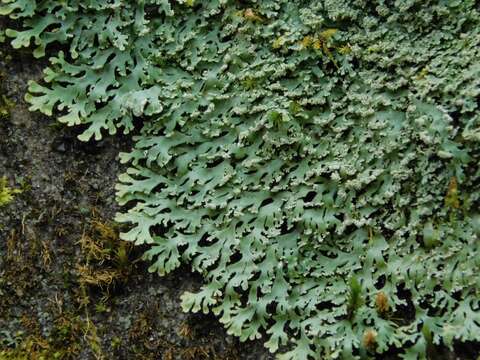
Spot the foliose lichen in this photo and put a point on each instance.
(316, 161)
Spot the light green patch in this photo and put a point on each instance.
(7, 194)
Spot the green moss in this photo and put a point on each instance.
(5, 107)
(65, 342)
(7, 193)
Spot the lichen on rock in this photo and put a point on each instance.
(304, 156)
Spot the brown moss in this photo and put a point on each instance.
(20, 263)
(96, 277)
(186, 331)
(381, 303)
(105, 260)
(144, 324)
(451, 199)
(369, 339)
(250, 15)
(199, 352)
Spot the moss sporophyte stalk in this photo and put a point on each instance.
(316, 161)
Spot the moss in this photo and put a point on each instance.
(19, 264)
(105, 261)
(7, 193)
(5, 107)
(6, 104)
(65, 342)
